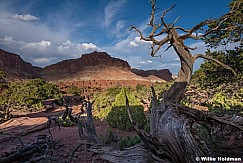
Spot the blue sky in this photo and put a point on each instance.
(43, 32)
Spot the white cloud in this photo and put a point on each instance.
(15, 25)
(111, 11)
(197, 34)
(118, 30)
(138, 42)
(133, 43)
(42, 61)
(65, 46)
(26, 17)
(8, 39)
(87, 46)
(39, 45)
(149, 61)
(67, 43)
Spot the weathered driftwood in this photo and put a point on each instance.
(35, 152)
(138, 153)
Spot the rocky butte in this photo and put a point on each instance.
(84, 66)
(16, 68)
(93, 70)
(164, 74)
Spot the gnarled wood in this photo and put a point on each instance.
(138, 153)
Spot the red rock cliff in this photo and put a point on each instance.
(14, 65)
(92, 61)
(164, 74)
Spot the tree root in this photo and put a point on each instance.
(40, 150)
(205, 117)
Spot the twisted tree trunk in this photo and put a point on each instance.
(169, 127)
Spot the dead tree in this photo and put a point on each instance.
(171, 138)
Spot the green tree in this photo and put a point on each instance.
(121, 101)
(118, 116)
(212, 75)
(74, 90)
(30, 92)
(3, 82)
(232, 27)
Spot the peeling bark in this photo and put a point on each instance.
(138, 153)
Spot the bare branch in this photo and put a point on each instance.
(215, 60)
(182, 29)
(200, 25)
(168, 48)
(215, 28)
(151, 21)
(189, 34)
(140, 33)
(154, 98)
(190, 48)
(163, 15)
(201, 116)
(175, 21)
(160, 44)
(160, 33)
(155, 42)
(130, 117)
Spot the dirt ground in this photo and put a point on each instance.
(26, 128)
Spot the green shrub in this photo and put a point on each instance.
(128, 141)
(121, 101)
(118, 117)
(222, 103)
(29, 93)
(115, 96)
(74, 90)
(103, 113)
(105, 101)
(113, 91)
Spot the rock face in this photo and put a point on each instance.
(97, 69)
(15, 66)
(164, 74)
(85, 65)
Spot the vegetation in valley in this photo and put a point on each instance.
(224, 89)
(74, 90)
(111, 106)
(28, 95)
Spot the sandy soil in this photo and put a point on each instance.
(27, 128)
